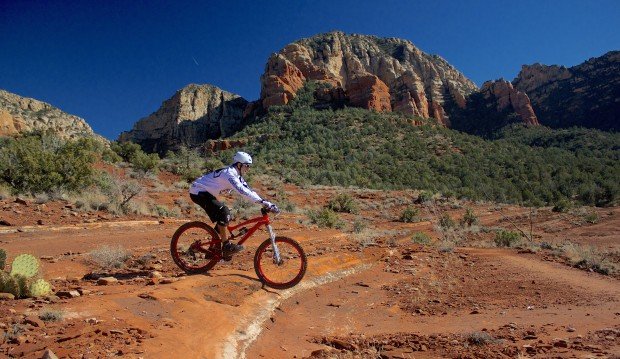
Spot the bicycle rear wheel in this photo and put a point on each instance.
(195, 247)
(289, 271)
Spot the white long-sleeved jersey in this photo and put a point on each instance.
(224, 180)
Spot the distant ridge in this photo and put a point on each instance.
(22, 114)
(585, 95)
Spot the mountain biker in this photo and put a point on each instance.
(224, 180)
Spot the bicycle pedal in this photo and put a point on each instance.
(227, 258)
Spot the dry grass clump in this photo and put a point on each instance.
(51, 315)
(109, 257)
(183, 204)
(410, 215)
(5, 192)
(243, 209)
(344, 203)
(505, 238)
(421, 238)
(588, 258)
(358, 225)
(325, 218)
(480, 338)
(160, 210)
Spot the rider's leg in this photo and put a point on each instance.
(221, 230)
(224, 218)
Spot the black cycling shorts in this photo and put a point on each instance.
(217, 211)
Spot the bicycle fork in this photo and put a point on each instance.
(276, 252)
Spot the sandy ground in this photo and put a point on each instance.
(375, 294)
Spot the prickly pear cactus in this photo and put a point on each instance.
(4, 278)
(25, 265)
(40, 288)
(2, 258)
(16, 285)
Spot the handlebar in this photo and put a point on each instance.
(265, 210)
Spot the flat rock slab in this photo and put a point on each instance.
(107, 281)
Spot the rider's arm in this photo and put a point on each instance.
(243, 189)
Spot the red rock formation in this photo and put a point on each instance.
(222, 145)
(399, 76)
(584, 95)
(369, 92)
(506, 95)
(281, 81)
(22, 114)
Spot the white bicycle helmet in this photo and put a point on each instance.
(242, 157)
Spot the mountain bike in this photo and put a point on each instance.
(279, 262)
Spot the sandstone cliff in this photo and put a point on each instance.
(21, 114)
(384, 74)
(584, 95)
(494, 106)
(192, 116)
(506, 96)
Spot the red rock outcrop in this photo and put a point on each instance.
(584, 95)
(379, 73)
(193, 115)
(506, 95)
(22, 114)
(281, 81)
(369, 92)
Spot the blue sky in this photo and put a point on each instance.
(113, 62)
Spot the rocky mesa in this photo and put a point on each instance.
(585, 95)
(384, 74)
(195, 114)
(22, 114)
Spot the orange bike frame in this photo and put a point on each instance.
(260, 221)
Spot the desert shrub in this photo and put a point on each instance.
(132, 153)
(212, 164)
(51, 315)
(425, 196)
(242, 208)
(592, 217)
(469, 218)
(445, 221)
(112, 194)
(185, 162)
(505, 238)
(125, 150)
(366, 238)
(480, 338)
(109, 257)
(410, 215)
(446, 246)
(358, 225)
(14, 331)
(288, 206)
(5, 191)
(343, 203)
(109, 156)
(588, 258)
(325, 217)
(145, 162)
(36, 163)
(562, 205)
(162, 211)
(181, 185)
(546, 245)
(421, 238)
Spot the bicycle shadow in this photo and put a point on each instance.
(254, 279)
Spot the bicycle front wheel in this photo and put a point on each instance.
(195, 247)
(285, 271)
